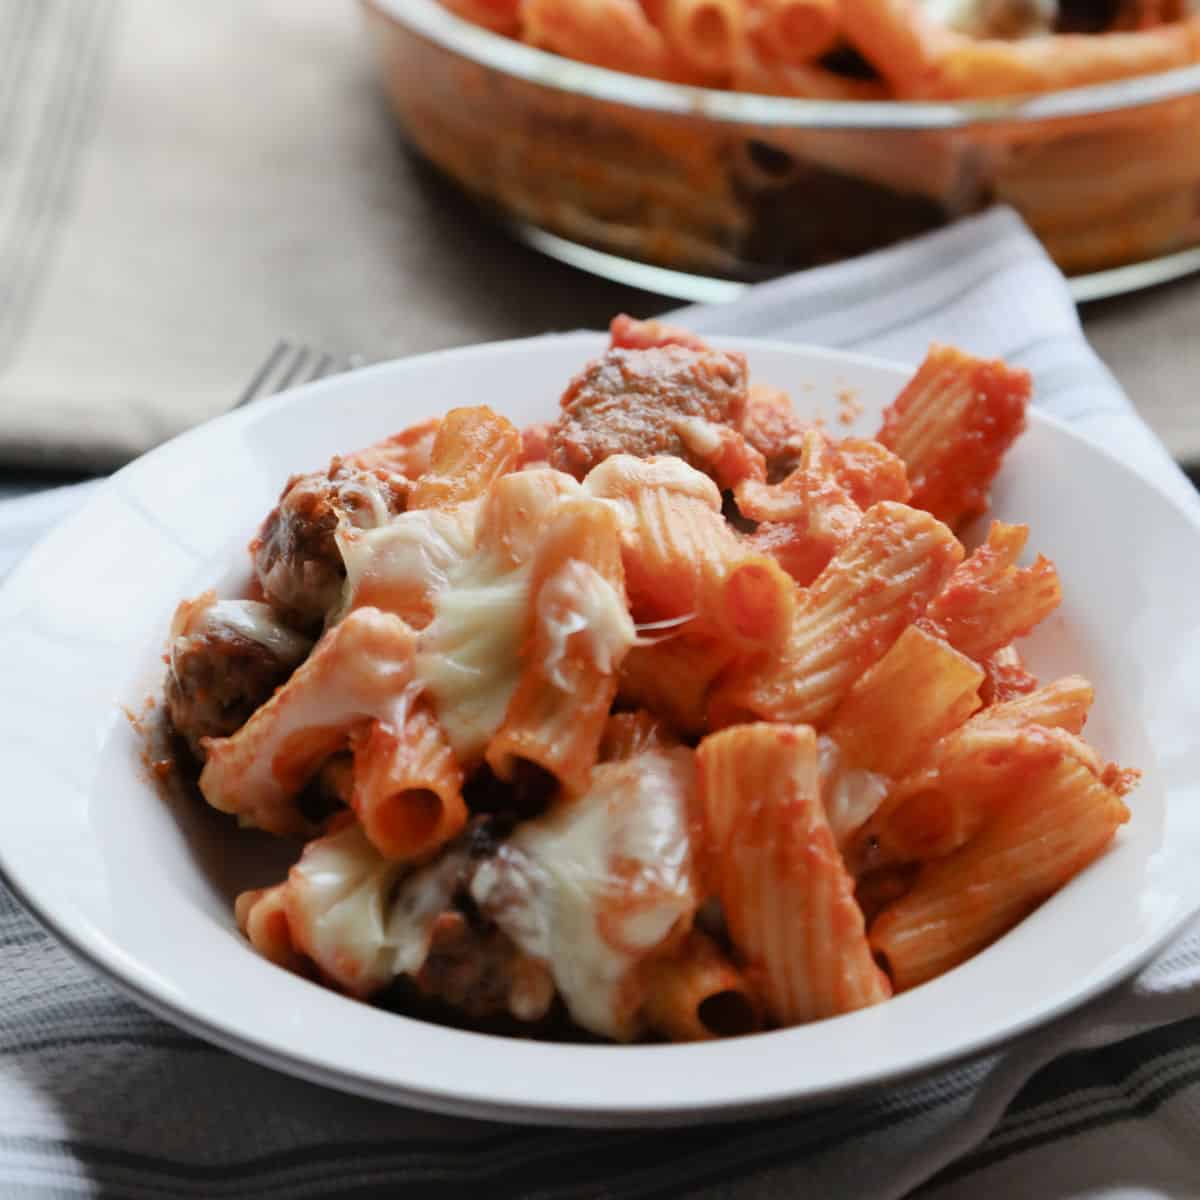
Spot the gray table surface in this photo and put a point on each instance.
(1151, 342)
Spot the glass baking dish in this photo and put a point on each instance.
(719, 187)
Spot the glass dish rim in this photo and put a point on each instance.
(431, 20)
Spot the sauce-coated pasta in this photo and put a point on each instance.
(674, 718)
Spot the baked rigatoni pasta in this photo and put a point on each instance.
(797, 32)
(581, 631)
(941, 803)
(868, 594)
(695, 993)
(675, 676)
(758, 604)
(606, 33)
(805, 518)
(870, 472)
(787, 896)
(920, 690)
(360, 672)
(1107, 183)
(406, 454)
(1046, 832)
(676, 546)
(900, 38)
(951, 426)
(471, 448)
(629, 733)
(989, 600)
(905, 49)
(407, 785)
(706, 34)
(718, 730)
(994, 67)
(1063, 704)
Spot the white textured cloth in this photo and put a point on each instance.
(99, 1099)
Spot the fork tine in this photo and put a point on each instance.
(325, 365)
(299, 358)
(257, 384)
(290, 365)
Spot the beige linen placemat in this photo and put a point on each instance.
(183, 184)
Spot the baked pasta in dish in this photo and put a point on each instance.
(676, 717)
(726, 186)
(859, 49)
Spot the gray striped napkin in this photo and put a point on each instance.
(97, 1098)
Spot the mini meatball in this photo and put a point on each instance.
(477, 969)
(296, 555)
(226, 657)
(649, 402)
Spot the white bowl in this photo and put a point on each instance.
(143, 889)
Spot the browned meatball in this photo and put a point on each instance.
(296, 556)
(645, 403)
(226, 657)
(477, 969)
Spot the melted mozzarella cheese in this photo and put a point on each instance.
(621, 477)
(579, 602)
(703, 438)
(519, 507)
(594, 886)
(370, 508)
(257, 622)
(363, 919)
(404, 563)
(850, 794)
(249, 619)
(417, 903)
(469, 659)
(361, 668)
(995, 18)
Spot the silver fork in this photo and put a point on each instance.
(289, 365)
